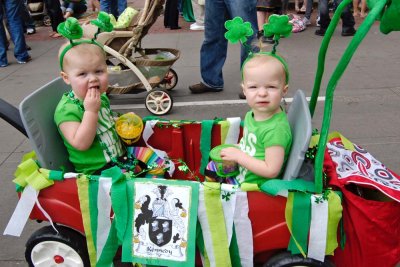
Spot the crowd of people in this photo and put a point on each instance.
(16, 21)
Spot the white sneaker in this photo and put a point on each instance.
(306, 21)
(196, 27)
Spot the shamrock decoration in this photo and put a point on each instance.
(278, 26)
(391, 17)
(103, 22)
(70, 29)
(238, 30)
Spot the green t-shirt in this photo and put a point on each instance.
(259, 135)
(105, 144)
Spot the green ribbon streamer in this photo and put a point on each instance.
(119, 198)
(93, 191)
(56, 175)
(334, 215)
(83, 194)
(301, 218)
(234, 250)
(127, 242)
(200, 244)
(274, 186)
(110, 248)
(205, 143)
(216, 221)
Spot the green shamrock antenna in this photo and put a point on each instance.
(238, 31)
(103, 22)
(72, 30)
(277, 27)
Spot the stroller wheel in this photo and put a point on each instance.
(170, 80)
(158, 102)
(47, 21)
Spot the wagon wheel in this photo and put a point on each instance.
(46, 247)
(286, 259)
(158, 101)
(170, 80)
(47, 20)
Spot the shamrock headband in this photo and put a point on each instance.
(71, 30)
(278, 26)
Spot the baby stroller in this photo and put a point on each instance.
(37, 8)
(132, 68)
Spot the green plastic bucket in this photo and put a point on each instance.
(224, 168)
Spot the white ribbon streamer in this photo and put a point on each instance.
(21, 213)
(202, 217)
(318, 229)
(104, 211)
(147, 133)
(243, 230)
(229, 210)
(232, 136)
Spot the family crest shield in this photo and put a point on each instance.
(164, 222)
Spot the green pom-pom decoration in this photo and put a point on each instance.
(70, 29)
(278, 26)
(103, 22)
(238, 30)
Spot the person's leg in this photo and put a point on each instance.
(198, 12)
(261, 16)
(121, 6)
(247, 11)
(214, 49)
(55, 13)
(167, 13)
(109, 6)
(29, 23)
(174, 15)
(3, 40)
(13, 10)
(363, 12)
(355, 8)
(69, 10)
(324, 18)
(309, 9)
(348, 21)
(79, 8)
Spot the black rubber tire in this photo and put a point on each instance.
(165, 85)
(286, 259)
(75, 240)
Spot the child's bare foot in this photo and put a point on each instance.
(355, 14)
(54, 35)
(67, 15)
(363, 14)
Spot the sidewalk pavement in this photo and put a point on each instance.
(366, 108)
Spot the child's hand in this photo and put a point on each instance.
(231, 154)
(92, 101)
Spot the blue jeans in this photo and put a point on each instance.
(12, 10)
(347, 16)
(76, 8)
(214, 49)
(115, 7)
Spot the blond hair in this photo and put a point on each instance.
(80, 49)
